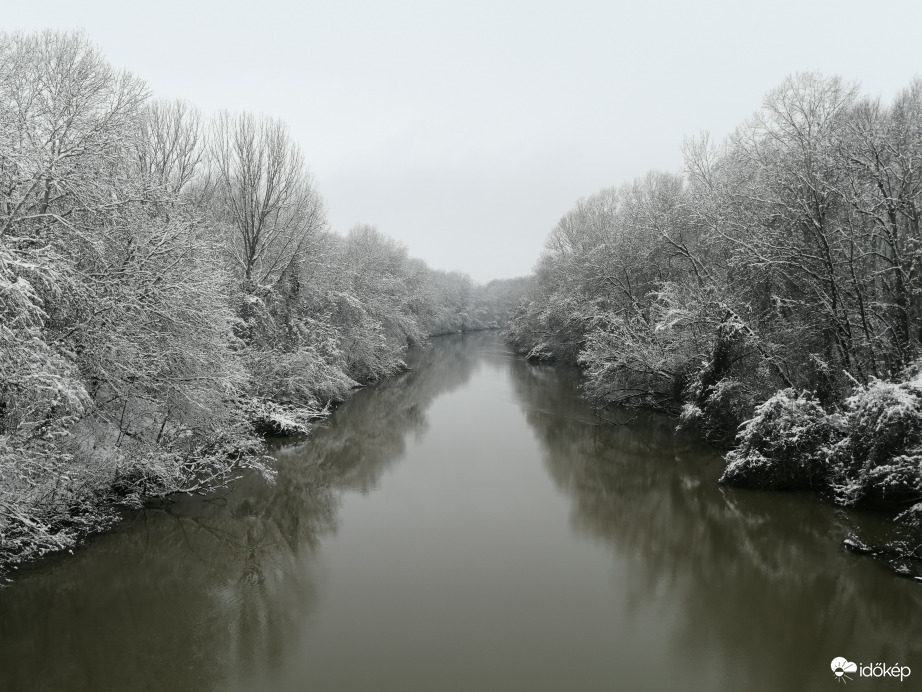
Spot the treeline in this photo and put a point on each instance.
(169, 289)
(775, 281)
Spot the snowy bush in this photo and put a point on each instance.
(881, 460)
(718, 413)
(271, 418)
(626, 364)
(871, 451)
(785, 445)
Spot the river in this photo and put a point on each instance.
(468, 525)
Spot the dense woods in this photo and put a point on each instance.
(170, 289)
(773, 284)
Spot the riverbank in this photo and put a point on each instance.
(865, 453)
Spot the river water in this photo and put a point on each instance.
(469, 525)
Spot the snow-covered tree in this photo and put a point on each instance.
(263, 194)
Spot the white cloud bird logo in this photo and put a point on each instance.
(841, 666)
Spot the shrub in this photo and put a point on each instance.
(785, 445)
(881, 461)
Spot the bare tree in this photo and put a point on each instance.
(170, 145)
(265, 194)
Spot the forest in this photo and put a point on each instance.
(769, 294)
(171, 291)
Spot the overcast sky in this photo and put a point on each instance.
(467, 129)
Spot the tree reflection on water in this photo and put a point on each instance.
(196, 592)
(747, 575)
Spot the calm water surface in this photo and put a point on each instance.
(467, 526)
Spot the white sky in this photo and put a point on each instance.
(466, 129)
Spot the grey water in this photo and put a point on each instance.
(468, 525)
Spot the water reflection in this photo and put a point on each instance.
(760, 592)
(192, 594)
(521, 546)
